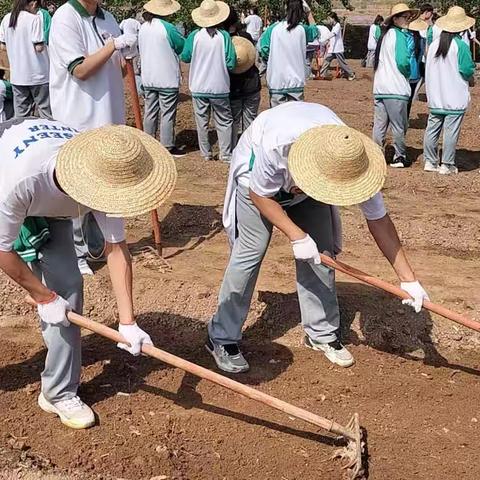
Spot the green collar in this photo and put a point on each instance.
(83, 11)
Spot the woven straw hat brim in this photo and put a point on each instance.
(76, 175)
(153, 6)
(418, 25)
(308, 176)
(203, 21)
(446, 24)
(246, 54)
(402, 8)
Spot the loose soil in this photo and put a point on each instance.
(415, 383)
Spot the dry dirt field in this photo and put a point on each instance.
(416, 383)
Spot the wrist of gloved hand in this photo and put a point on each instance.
(418, 294)
(135, 336)
(306, 250)
(124, 41)
(54, 312)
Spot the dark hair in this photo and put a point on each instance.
(18, 6)
(212, 31)
(426, 7)
(378, 20)
(446, 39)
(2, 74)
(435, 17)
(254, 10)
(385, 30)
(295, 14)
(417, 39)
(232, 20)
(334, 16)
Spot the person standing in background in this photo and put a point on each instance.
(415, 48)
(160, 45)
(211, 53)
(254, 25)
(86, 89)
(450, 69)
(22, 35)
(373, 36)
(46, 21)
(132, 26)
(336, 49)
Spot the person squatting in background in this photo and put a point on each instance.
(22, 35)
(86, 83)
(336, 49)
(160, 45)
(210, 51)
(245, 84)
(449, 70)
(283, 46)
(391, 84)
(373, 35)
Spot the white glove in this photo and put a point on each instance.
(418, 294)
(306, 7)
(306, 250)
(135, 336)
(55, 311)
(124, 41)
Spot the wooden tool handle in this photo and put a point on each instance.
(214, 377)
(388, 287)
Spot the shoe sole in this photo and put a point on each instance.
(340, 363)
(49, 408)
(430, 169)
(221, 367)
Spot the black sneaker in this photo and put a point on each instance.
(228, 358)
(400, 162)
(177, 152)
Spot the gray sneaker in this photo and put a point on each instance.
(334, 351)
(447, 170)
(228, 358)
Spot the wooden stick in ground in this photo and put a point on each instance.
(216, 378)
(157, 236)
(388, 287)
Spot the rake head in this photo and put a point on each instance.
(354, 451)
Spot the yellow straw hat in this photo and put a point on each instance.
(337, 165)
(210, 13)
(402, 8)
(162, 7)
(455, 21)
(418, 25)
(117, 170)
(246, 54)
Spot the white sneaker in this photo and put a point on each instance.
(84, 267)
(334, 351)
(430, 167)
(72, 412)
(447, 170)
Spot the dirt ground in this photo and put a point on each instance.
(415, 383)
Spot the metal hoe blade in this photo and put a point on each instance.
(353, 451)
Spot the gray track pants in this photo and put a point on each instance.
(26, 97)
(58, 270)
(244, 112)
(451, 125)
(391, 112)
(315, 283)
(279, 98)
(370, 60)
(161, 106)
(222, 117)
(87, 236)
(342, 63)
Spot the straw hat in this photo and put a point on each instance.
(210, 13)
(418, 25)
(337, 165)
(402, 8)
(455, 21)
(246, 54)
(162, 7)
(117, 170)
(4, 63)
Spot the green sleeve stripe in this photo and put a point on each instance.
(9, 92)
(251, 163)
(265, 40)
(378, 32)
(47, 22)
(230, 54)
(75, 64)
(466, 65)
(176, 40)
(429, 35)
(402, 56)
(186, 55)
(311, 32)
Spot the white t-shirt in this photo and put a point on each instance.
(94, 102)
(130, 25)
(27, 186)
(336, 40)
(254, 26)
(28, 67)
(260, 160)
